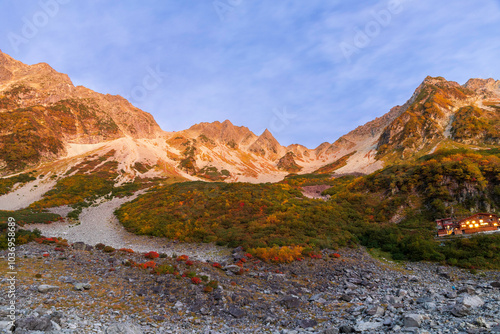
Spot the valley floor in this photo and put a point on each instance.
(98, 224)
(353, 292)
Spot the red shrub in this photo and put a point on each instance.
(149, 264)
(217, 265)
(189, 263)
(337, 255)
(196, 280)
(126, 250)
(182, 258)
(315, 256)
(152, 255)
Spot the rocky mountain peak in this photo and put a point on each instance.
(267, 145)
(489, 87)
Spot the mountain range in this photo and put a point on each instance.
(48, 124)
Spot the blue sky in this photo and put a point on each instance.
(310, 71)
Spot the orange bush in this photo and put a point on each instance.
(285, 254)
(183, 258)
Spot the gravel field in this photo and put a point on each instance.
(98, 224)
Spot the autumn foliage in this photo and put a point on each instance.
(152, 255)
(278, 254)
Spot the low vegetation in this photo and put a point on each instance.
(6, 184)
(392, 210)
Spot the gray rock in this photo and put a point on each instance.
(6, 325)
(79, 246)
(316, 297)
(495, 284)
(308, 323)
(232, 268)
(376, 311)
(47, 288)
(367, 326)
(330, 331)
(34, 324)
(430, 306)
(67, 279)
(423, 300)
(482, 323)
(346, 298)
(123, 328)
(346, 329)
(471, 301)
(82, 286)
(387, 321)
(395, 300)
(290, 302)
(412, 320)
(4, 311)
(460, 310)
(468, 290)
(450, 294)
(236, 311)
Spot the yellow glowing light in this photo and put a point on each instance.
(476, 225)
(480, 220)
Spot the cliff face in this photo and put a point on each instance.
(444, 111)
(44, 117)
(41, 111)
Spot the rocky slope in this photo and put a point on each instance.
(443, 113)
(80, 289)
(45, 118)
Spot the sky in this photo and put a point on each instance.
(309, 71)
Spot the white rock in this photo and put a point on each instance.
(367, 326)
(47, 288)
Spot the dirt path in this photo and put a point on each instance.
(98, 224)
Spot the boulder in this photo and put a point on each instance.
(232, 268)
(367, 326)
(79, 246)
(471, 301)
(495, 284)
(346, 298)
(290, 302)
(236, 312)
(67, 279)
(123, 328)
(376, 311)
(5, 325)
(346, 329)
(34, 324)
(308, 323)
(412, 320)
(465, 304)
(82, 286)
(47, 288)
